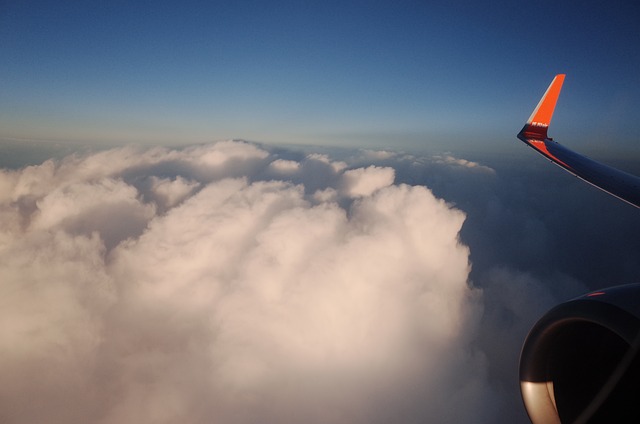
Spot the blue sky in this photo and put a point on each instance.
(381, 73)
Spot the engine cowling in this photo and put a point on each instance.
(580, 361)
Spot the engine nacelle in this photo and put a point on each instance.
(580, 362)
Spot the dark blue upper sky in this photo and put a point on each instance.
(377, 73)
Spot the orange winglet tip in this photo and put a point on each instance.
(538, 123)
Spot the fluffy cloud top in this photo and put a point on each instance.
(362, 182)
(192, 286)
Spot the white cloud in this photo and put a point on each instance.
(319, 157)
(285, 166)
(451, 160)
(109, 207)
(168, 193)
(365, 181)
(177, 286)
(329, 194)
(377, 154)
(225, 152)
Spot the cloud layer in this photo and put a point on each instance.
(226, 283)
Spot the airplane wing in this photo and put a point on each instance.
(534, 133)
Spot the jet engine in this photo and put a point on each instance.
(580, 363)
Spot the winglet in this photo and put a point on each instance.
(534, 133)
(538, 123)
